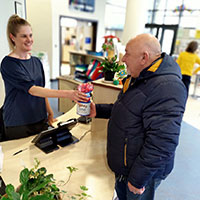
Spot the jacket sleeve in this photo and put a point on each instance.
(162, 116)
(103, 110)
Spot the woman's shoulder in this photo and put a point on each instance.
(184, 53)
(35, 59)
(188, 54)
(6, 60)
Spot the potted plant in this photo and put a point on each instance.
(110, 66)
(35, 184)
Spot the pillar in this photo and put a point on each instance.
(136, 17)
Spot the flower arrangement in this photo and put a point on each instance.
(108, 43)
(111, 65)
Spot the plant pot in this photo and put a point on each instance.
(109, 75)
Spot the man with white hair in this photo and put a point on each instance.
(144, 122)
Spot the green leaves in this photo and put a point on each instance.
(72, 169)
(108, 45)
(24, 176)
(111, 65)
(37, 185)
(84, 188)
(10, 191)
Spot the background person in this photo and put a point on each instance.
(144, 122)
(186, 61)
(26, 105)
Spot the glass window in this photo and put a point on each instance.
(166, 45)
(159, 17)
(115, 14)
(192, 4)
(174, 4)
(160, 4)
(168, 12)
(171, 17)
(115, 17)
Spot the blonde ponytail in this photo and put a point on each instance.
(14, 23)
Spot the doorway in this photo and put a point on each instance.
(166, 34)
(75, 35)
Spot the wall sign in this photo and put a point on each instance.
(82, 5)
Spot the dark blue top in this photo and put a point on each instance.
(20, 107)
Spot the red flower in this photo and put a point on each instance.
(111, 37)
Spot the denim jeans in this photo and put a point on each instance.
(123, 192)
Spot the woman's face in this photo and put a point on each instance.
(23, 39)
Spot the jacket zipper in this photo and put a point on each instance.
(125, 151)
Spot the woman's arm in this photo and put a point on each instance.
(50, 112)
(74, 95)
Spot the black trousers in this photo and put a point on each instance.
(186, 80)
(17, 132)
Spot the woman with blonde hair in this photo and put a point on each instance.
(186, 61)
(26, 104)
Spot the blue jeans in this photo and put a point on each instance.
(123, 192)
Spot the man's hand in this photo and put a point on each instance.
(92, 110)
(135, 190)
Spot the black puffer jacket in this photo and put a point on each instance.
(144, 125)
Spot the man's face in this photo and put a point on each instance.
(133, 59)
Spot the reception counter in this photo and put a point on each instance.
(88, 155)
(103, 92)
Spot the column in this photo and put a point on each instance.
(136, 17)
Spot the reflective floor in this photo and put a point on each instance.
(183, 183)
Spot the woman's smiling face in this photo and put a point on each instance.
(23, 39)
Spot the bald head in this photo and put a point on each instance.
(146, 42)
(141, 51)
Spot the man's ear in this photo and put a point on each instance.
(145, 57)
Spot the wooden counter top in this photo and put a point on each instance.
(88, 155)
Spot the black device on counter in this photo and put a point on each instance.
(84, 119)
(50, 140)
(2, 186)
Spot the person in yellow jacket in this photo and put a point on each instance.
(186, 61)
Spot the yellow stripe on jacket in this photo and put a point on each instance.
(126, 84)
(153, 68)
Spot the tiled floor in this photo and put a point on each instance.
(183, 183)
(192, 111)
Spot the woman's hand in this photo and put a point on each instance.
(51, 120)
(76, 96)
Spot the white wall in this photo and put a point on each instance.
(39, 15)
(58, 7)
(6, 9)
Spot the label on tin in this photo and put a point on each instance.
(83, 109)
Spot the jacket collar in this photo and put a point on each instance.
(166, 65)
